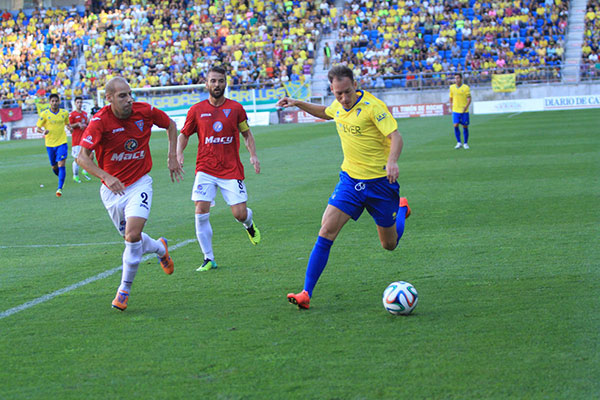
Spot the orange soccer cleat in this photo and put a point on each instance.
(302, 299)
(165, 261)
(120, 301)
(404, 203)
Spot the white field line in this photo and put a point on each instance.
(84, 282)
(34, 246)
(515, 114)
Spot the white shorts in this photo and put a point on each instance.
(75, 150)
(205, 189)
(135, 202)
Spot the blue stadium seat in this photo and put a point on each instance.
(427, 39)
(466, 44)
(388, 83)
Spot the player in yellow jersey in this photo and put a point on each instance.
(371, 145)
(52, 123)
(460, 100)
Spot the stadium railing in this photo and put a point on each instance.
(428, 80)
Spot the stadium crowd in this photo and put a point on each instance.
(158, 44)
(590, 52)
(400, 43)
(439, 37)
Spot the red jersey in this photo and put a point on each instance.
(218, 137)
(74, 118)
(122, 145)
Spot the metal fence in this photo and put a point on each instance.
(429, 80)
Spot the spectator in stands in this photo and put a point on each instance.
(3, 131)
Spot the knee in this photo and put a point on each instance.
(133, 236)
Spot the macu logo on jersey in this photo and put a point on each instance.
(123, 156)
(219, 140)
(129, 153)
(131, 145)
(88, 139)
(121, 129)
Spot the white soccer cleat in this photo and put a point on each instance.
(466, 146)
(458, 145)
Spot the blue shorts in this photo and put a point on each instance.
(378, 196)
(58, 153)
(460, 118)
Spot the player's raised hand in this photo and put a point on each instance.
(286, 102)
(254, 161)
(175, 168)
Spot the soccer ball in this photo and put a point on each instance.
(400, 298)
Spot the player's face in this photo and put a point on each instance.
(54, 104)
(121, 100)
(216, 84)
(458, 80)
(78, 104)
(344, 90)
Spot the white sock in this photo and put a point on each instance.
(248, 222)
(75, 168)
(152, 246)
(131, 260)
(204, 234)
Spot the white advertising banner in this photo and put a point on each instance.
(571, 102)
(508, 106)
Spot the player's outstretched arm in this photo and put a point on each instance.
(86, 162)
(175, 168)
(316, 110)
(251, 146)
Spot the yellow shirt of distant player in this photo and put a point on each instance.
(364, 131)
(460, 97)
(55, 123)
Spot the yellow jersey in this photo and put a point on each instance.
(55, 123)
(364, 132)
(460, 97)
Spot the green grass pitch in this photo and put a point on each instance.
(502, 246)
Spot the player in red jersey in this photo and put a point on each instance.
(119, 134)
(218, 121)
(78, 119)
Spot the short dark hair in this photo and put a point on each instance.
(458, 74)
(78, 98)
(52, 95)
(217, 69)
(339, 72)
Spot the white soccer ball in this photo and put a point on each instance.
(400, 298)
